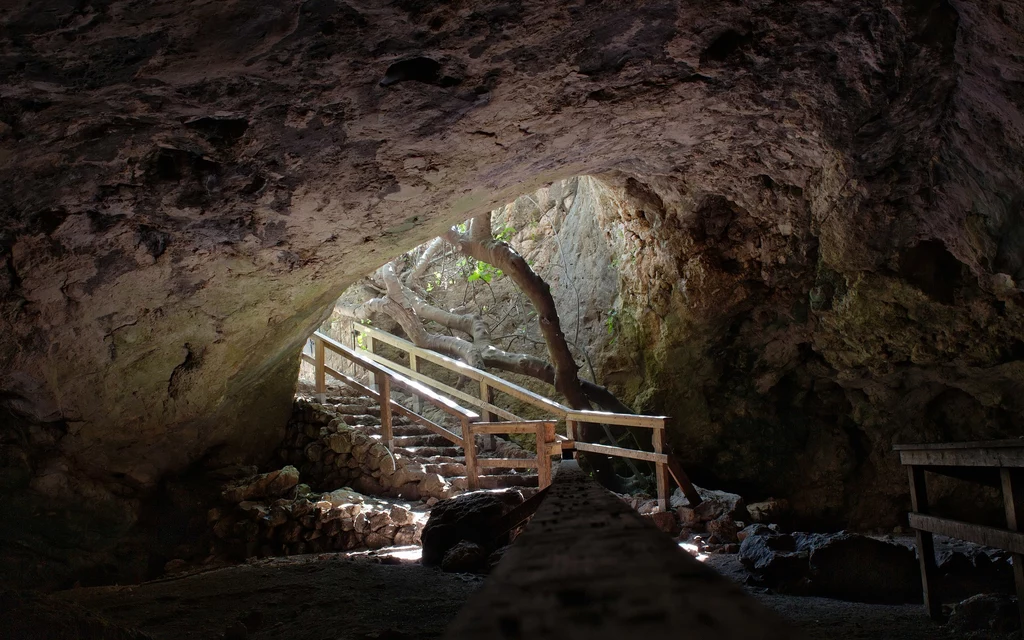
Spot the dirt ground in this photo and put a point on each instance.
(332, 596)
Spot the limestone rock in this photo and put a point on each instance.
(468, 517)
(986, 612)
(465, 557)
(267, 485)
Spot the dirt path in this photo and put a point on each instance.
(334, 597)
(300, 598)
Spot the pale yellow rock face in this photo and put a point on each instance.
(185, 190)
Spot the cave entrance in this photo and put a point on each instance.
(528, 290)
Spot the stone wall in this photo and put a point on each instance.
(279, 516)
(330, 453)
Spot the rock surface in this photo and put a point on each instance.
(859, 568)
(816, 212)
(467, 518)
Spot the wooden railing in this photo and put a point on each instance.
(666, 466)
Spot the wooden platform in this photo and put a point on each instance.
(1001, 460)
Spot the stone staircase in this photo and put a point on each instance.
(435, 452)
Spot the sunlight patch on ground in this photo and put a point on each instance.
(407, 554)
(693, 550)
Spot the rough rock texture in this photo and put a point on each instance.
(859, 568)
(330, 453)
(821, 220)
(308, 522)
(467, 518)
(986, 612)
(32, 615)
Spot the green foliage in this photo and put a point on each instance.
(611, 322)
(485, 272)
(505, 233)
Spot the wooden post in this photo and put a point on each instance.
(570, 429)
(472, 479)
(368, 341)
(384, 388)
(925, 543)
(487, 395)
(1013, 499)
(660, 469)
(414, 364)
(321, 373)
(545, 436)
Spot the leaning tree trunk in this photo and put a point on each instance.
(481, 245)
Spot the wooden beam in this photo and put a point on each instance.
(683, 480)
(397, 408)
(978, 444)
(545, 437)
(925, 543)
(384, 389)
(486, 400)
(445, 404)
(440, 386)
(516, 516)
(472, 472)
(320, 379)
(521, 426)
(624, 419)
(1013, 500)
(621, 452)
(1012, 541)
(661, 469)
(499, 384)
(1001, 456)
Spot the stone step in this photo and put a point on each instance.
(502, 481)
(447, 469)
(431, 440)
(426, 452)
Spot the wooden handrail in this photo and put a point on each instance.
(493, 381)
(440, 386)
(445, 404)
(624, 419)
(390, 373)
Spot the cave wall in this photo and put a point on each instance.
(799, 328)
(186, 188)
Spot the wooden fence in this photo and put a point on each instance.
(389, 374)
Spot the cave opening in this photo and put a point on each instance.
(794, 229)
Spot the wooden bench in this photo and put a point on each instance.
(999, 463)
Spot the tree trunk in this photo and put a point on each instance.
(485, 248)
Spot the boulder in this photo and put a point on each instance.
(465, 557)
(722, 530)
(664, 521)
(770, 510)
(267, 485)
(843, 566)
(469, 517)
(862, 569)
(985, 612)
(774, 559)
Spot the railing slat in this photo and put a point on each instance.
(440, 386)
(494, 381)
(619, 451)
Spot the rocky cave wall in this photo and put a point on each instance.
(187, 187)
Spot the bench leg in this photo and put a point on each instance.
(925, 544)
(1013, 499)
